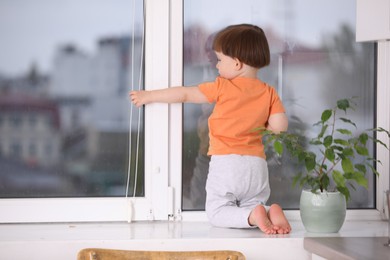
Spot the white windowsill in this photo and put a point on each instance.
(64, 240)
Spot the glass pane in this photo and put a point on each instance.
(314, 61)
(65, 70)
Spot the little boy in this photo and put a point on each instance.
(237, 184)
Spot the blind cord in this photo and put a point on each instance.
(140, 79)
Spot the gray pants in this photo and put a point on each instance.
(236, 184)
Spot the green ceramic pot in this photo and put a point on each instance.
(322, 212)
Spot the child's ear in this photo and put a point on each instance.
(239, 64)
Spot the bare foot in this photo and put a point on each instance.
(259, 218)
(277, 217)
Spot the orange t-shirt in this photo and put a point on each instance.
(241, 105)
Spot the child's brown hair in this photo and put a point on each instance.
(245, 42)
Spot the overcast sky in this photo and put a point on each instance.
(31, 30)
(306, 16)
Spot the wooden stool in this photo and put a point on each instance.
(113, 254)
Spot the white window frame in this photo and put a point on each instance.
(175, 144)
(383, 120)
(154, 205)
(163, 141)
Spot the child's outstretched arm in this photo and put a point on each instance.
(168, 95)
(277, 123)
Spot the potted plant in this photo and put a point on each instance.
(333, 162)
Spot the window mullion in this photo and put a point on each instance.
(156, 115)
(383, 120)
(176, 112)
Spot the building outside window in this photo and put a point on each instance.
(65, 90)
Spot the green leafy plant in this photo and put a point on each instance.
(333, 166)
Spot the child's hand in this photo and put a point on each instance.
(138, 98)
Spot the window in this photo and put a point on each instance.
(63, 69)
(32, 120)
(83, 119)
(314, 61)
(57, 58)
(32, 150)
